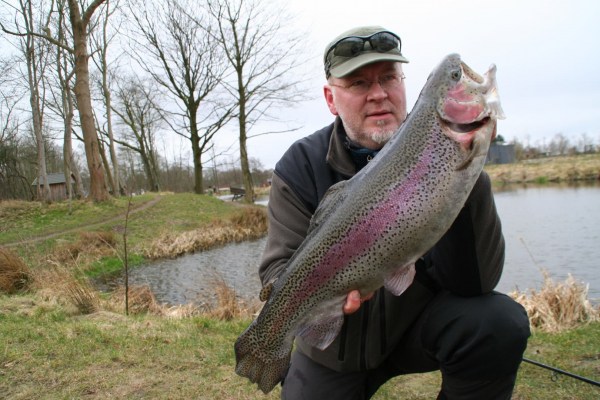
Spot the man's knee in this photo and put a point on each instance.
(483, 336)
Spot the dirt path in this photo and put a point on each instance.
(119, 217)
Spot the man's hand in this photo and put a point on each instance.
(353, 301)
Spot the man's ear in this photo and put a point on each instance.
(329, 99)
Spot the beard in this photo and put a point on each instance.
(381, 136)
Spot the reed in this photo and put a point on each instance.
(227, 305)
(558, 306)
(141, 300)
(247, 224)
(62, 284)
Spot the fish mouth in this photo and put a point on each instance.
(468, 136)
(470, 127)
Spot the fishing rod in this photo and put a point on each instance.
(560, 371)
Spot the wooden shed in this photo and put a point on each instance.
(57, 184)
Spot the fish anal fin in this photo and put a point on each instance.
(400, 279)
(322, 327)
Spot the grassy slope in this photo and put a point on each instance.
(36, 231)
(48, 353)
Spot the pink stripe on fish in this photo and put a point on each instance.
(365, 234)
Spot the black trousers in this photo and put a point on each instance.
(476, 342)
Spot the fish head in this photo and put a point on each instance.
(468, 106)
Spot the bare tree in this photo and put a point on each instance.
(138, 110)
(35, 55)
(184, 60)
(250, 33)
(14, 183)
(101, 43)
(62, 92)
(79, 19)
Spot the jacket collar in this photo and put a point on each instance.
(338, 156)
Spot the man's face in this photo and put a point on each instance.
(371, 102)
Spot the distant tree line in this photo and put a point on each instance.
(93, 88)
(558, 145)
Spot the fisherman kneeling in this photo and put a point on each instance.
(450, 318)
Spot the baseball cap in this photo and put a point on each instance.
(360, 46)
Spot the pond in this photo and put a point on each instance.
(551, 228)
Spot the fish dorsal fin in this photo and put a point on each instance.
(334, 196)
(400, 279)
(322, 327)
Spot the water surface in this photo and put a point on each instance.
(552, 228)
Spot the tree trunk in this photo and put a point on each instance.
(43, 190)
(70, 167)
(98, 191)
(116, 183)
(245, 165)
(196, 153)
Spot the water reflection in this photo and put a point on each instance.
(556, 228)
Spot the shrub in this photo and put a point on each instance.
(14, 273)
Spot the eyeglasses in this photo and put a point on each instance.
(361, 87)
(353, 45)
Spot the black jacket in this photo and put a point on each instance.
(467, 261)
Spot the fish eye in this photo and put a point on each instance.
(455, 74)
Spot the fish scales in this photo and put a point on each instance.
(368, 231)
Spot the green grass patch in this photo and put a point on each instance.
(24, 220)
(109, 266)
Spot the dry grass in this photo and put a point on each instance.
(89, 245)
(558, 306)
(60, 283)
(549, 169)
(249, 223)
(227, 305)
(140, 298)
(14, 273)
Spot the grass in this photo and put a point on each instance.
(26, 220)
(60, 338)
(48, 351)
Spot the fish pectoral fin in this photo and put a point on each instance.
(266, 291)
(321, 328)
(400, 279)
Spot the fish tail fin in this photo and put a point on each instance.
(253, 364)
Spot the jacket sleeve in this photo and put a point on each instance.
(289, 220)
(469, 258)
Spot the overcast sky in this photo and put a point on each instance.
(547, 53)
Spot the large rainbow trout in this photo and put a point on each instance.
(368, 231)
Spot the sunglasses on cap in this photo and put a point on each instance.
(352, 46)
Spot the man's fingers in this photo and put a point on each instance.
(353, 301)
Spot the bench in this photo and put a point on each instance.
(238, 193)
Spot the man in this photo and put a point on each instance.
(449, 319)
